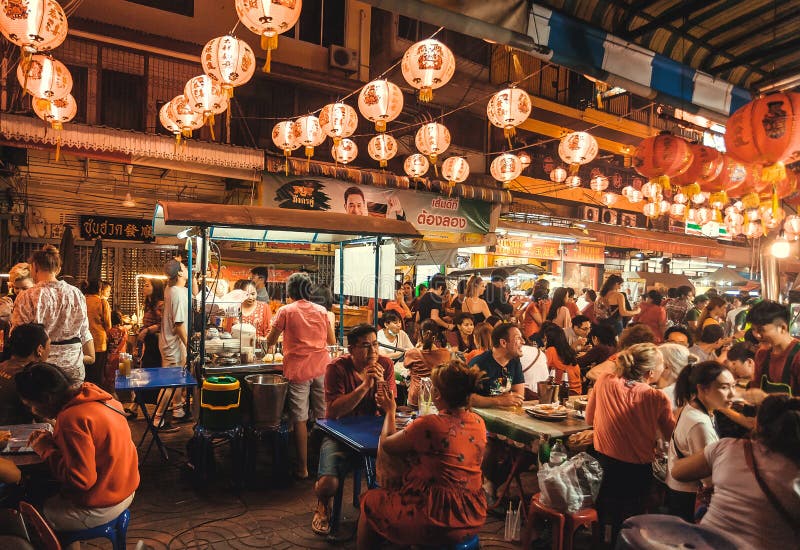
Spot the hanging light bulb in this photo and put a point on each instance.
(780, 247)
(559, 175)
(128, 202)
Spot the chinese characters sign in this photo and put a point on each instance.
(118, 229)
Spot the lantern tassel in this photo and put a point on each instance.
(775, 201)
(380, 126)
(177, 142)
(57, 127)
(269, 43)
(383, 164)
(286, 153)
(210, 121)
(425, 94)
(509, 133)
(573, 169)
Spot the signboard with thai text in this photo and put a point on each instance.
(115, 229)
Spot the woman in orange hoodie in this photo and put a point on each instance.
(90, 452)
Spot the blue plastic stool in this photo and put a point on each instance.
(470, 543)
(278, 438)
(115, 530)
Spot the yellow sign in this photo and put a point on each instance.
(524, 248)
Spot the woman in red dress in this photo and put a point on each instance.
(439, 499)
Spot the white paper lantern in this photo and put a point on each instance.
(46, 77)
(416, 165)
(525, 159)
(428, 65)
(228, 61)
(677, 210)
(56, 112)
(344, 151)
(753, 230)
(663, 206)
(651, 190)
(268, 19)
(573, 181)
(772, 219)
(455, 169)
(559, 175)
(338, 120)
(205, 95)
(680, 198)
(182, 113)
(382, 148)
(626, 190)
(651, 210)
(507, 167)
(792, 224)
(704, 215)
(380, 101)
(700, 198)
(598, 183)
(432, 140)
(33, 25)
(309, 133)
(691, 215)
(167, 122)
(285, 137)
(609, 198)
(577, 148)
(509, 108)
(635, 196)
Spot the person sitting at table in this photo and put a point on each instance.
(422, 359)
(604, 344)
(9, 473)
(628, 416)
(28, 343)
(392, 334)
(351, 382)
(753, 494)
(439, 499)
(632, 335)
(503, 384)
(560, 356)
(483, 341)
(463, 337)
(676, 358)
(701, 389)
(90, 452)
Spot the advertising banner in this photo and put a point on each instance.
(432, 214)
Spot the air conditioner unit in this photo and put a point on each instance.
(590, 213)
(342, 58)
(608, 216)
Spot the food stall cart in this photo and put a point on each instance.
(210, 222)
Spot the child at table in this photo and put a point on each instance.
(439, 499)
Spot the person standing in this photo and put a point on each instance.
(151, 322)
(173, 338)
(777, 363)
(653, 314)
(351, 386)
(61, 308)
(738, 305)
(611, 306)
(680, 305)
(559, 313)
(472, 303)
(99, 313)
(259, 277)
(494, 295)
(306, 335)
(430, 305)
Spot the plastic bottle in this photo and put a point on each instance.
(544, 450)
(558, 453)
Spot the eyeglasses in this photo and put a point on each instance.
(367, 345)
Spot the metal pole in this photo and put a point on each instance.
(341, 294)
(203, 269)
(377, 280)
(191, 309)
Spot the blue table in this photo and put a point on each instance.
(361, 434)
(165, 378)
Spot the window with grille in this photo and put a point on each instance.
(321, 22)
(181, 7)
(122, 100)
(466, 47)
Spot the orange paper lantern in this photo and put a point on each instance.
(662, 155)
(766, 130)
(706, 166)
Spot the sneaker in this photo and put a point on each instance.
(179, 413)
(168, 428)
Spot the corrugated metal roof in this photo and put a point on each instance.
(750, 43)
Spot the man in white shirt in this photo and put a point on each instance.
(578, 332)
(738, 303)
(173, 338)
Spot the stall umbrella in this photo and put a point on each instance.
(67, 250)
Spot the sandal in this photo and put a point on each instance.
(320, 523)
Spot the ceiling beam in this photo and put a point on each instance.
(708, 14)
(759, 56)
(777, 76)
(632, 10)
(681, 10)
(739, 38)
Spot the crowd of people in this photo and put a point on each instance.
(681, 381)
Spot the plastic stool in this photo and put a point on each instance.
(472, 542)
(202, 452)
(278, 437)
(115, 530)
(338, 498)
(564, 524)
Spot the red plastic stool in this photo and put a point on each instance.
(564, 524)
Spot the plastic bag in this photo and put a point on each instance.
(572, 485)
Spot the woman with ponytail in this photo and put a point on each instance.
(712, 314)
(61, 308)
(439, 500)
(420, 360)
(753, 479)
(700, 389)
(628, 417)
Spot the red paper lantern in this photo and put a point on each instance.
(662, 155)
(766, 130)
(787, 186)
(735, 178)
(706, 166)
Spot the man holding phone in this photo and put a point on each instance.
(351, 385)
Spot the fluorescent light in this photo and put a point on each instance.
(148, 276)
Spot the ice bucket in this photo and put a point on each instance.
(269, 395)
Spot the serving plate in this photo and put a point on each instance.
(552, 413)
